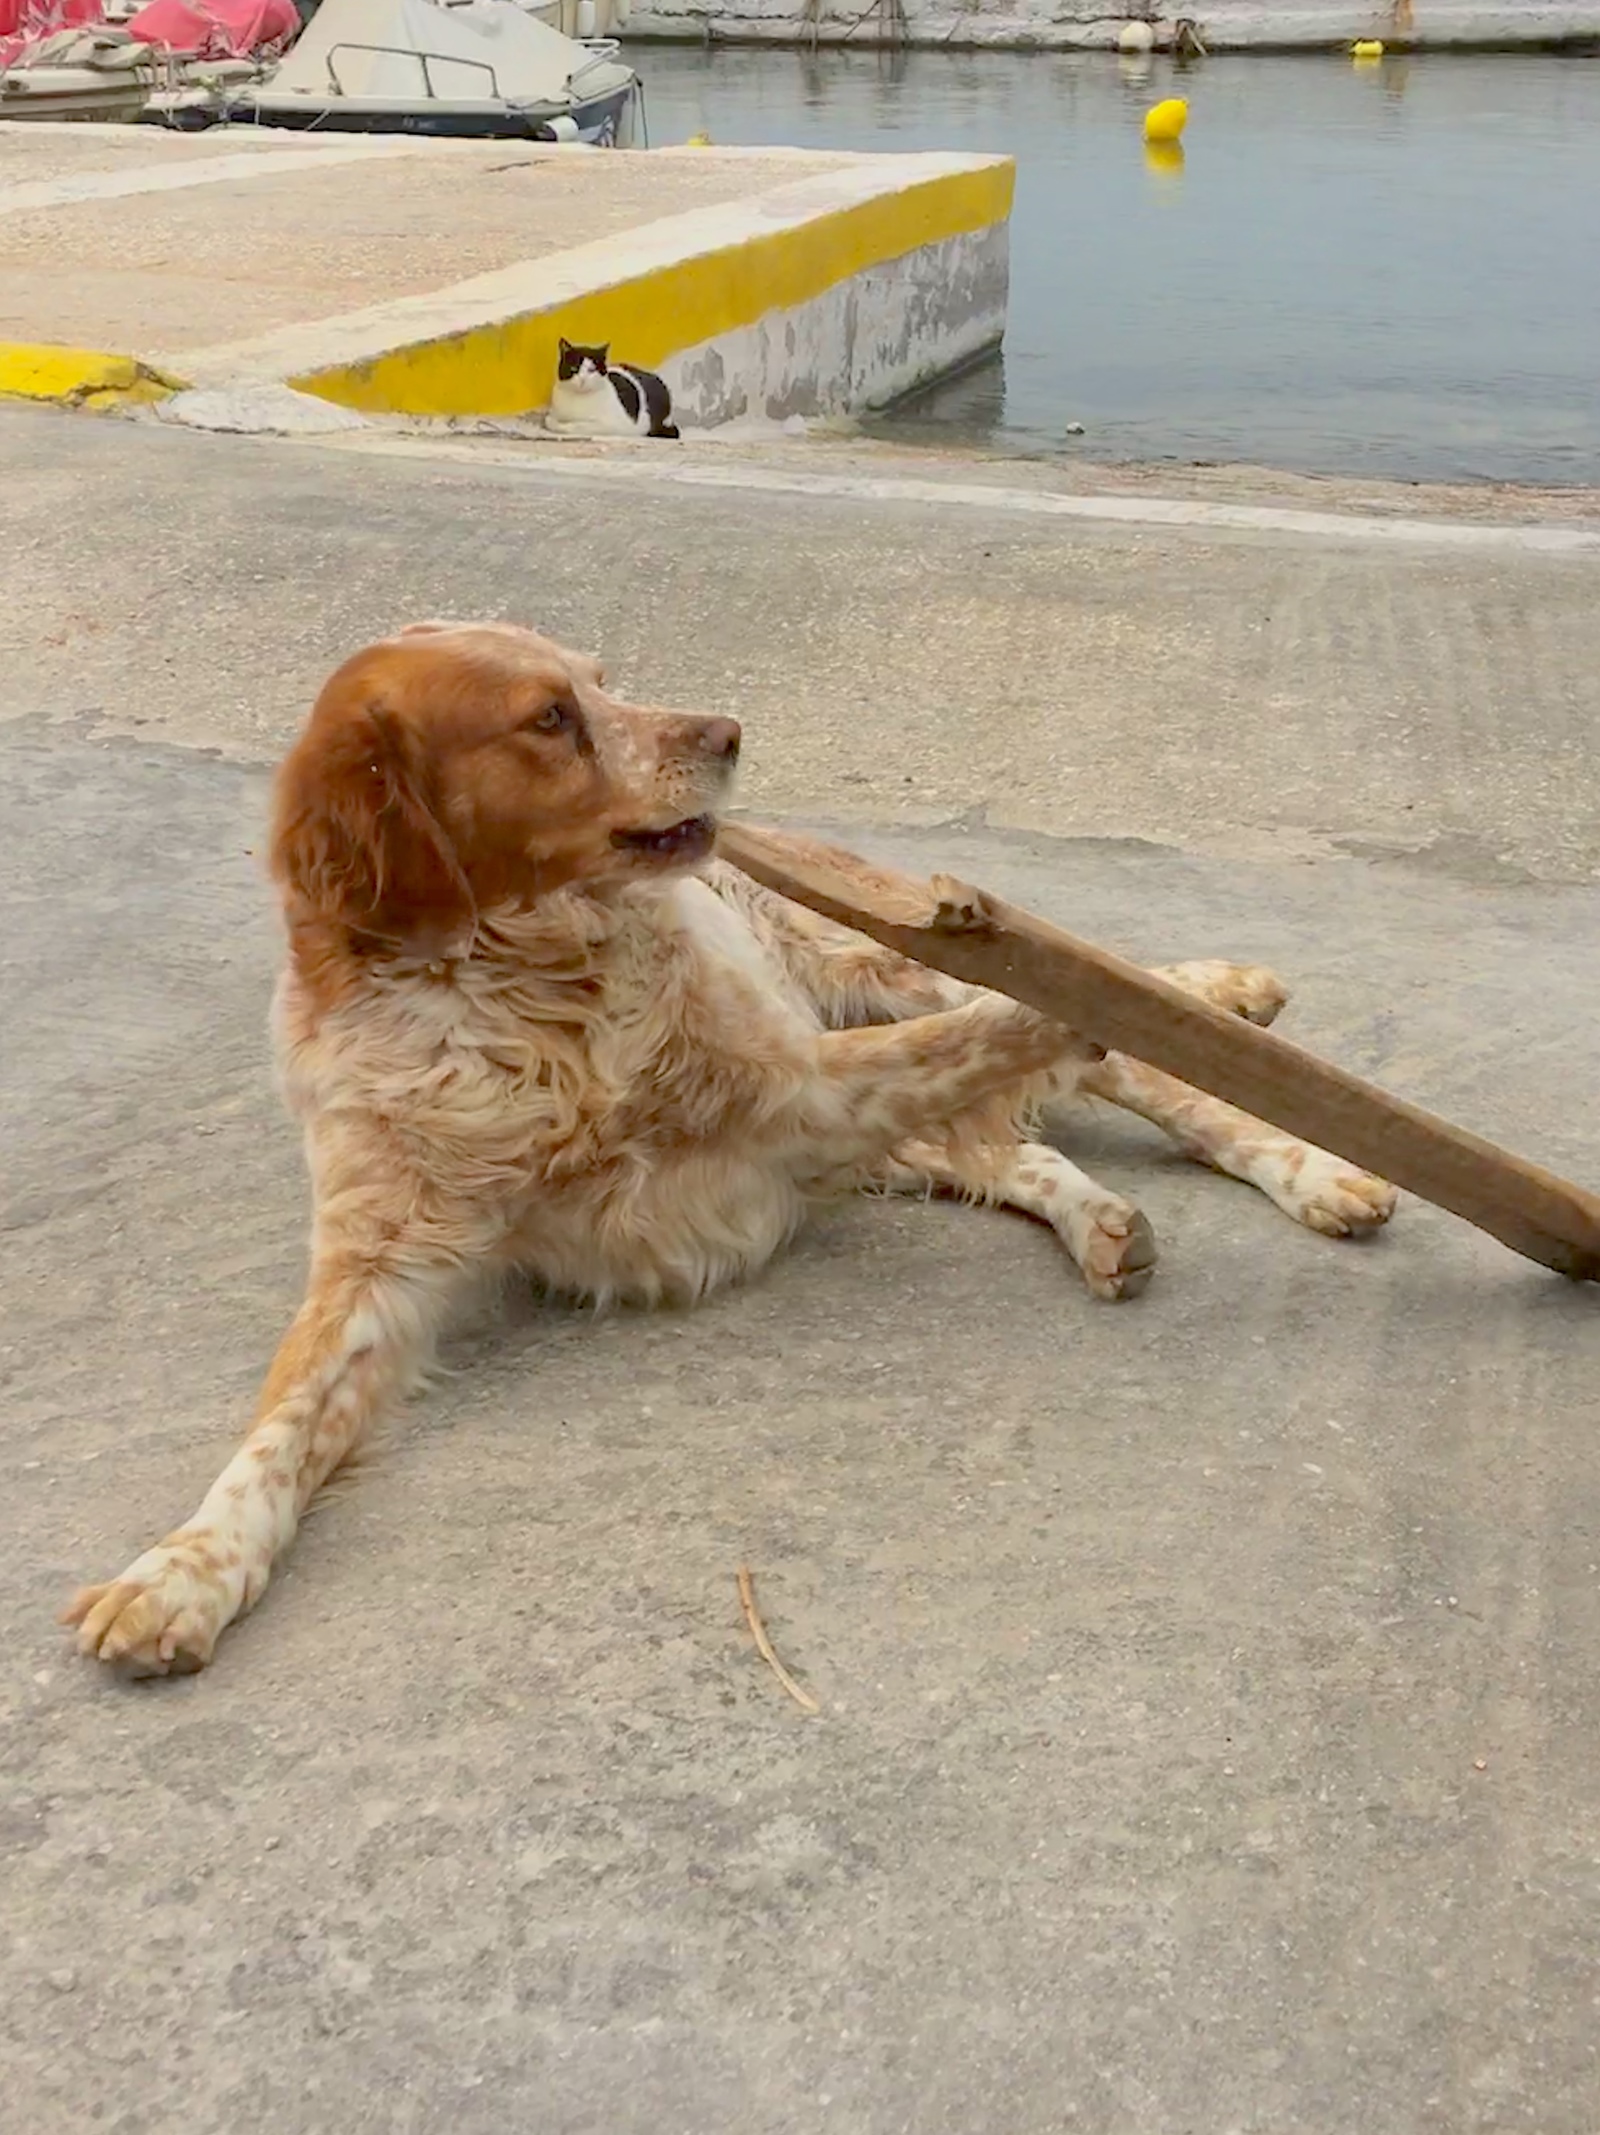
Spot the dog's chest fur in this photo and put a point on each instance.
(589, 1065)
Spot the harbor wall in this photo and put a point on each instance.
(830, 295)
(1023, 25)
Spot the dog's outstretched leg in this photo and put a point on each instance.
(352, 1351)
(1321, 1191)
(1109, 1239)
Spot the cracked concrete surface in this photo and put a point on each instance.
(1209, 1684)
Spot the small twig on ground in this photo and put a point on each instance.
(758, 1631)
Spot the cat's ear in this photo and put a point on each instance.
(600, 354)
(564, 346)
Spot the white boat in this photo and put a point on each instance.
(474, 69)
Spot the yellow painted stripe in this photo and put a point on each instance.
(79, 377)
(508, 367)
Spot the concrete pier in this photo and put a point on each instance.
(394, 276)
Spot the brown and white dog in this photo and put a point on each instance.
(527, 1021)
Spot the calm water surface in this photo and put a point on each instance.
(1388, 270)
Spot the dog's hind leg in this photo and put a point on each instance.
(1108, 1238)
(1316, 1189)
(1321, 1191)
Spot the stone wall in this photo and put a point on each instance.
(871, 338)
(1225, 25)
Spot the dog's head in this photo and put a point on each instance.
(459, 766)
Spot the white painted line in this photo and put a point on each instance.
(175, 177)
(985, 496)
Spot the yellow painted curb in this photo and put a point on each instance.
(79, 377)
(507, 367)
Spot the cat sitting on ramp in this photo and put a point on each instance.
(594, 397)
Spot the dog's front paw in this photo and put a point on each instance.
(167, 1611)
(1113, 1244)
(1333, 1197)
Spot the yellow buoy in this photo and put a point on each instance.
(1367, 48)
(1165, 121)
(698, 140)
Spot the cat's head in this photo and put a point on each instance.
(582, 367)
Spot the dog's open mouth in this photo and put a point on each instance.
(691, 839)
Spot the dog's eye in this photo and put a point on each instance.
(551, 720)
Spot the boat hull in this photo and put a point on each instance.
(79, 93)
(597, 120)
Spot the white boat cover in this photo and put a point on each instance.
(475, 50)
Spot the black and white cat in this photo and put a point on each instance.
(596, 398)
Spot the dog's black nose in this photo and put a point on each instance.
(721, 737)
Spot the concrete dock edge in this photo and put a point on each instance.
(826, 295)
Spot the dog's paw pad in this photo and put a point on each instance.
(1337, 1199)
(162, 1617)
(1256, 993)
(958, 907)
(1248, 990)
(1115, 1248)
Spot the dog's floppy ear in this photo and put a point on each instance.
(356, 838)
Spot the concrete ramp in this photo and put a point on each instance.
(394, 276)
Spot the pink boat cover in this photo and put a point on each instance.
(217, 29)
(24, 22)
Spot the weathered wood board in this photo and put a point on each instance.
(974, 936)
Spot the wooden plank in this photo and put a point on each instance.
(971, 935)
